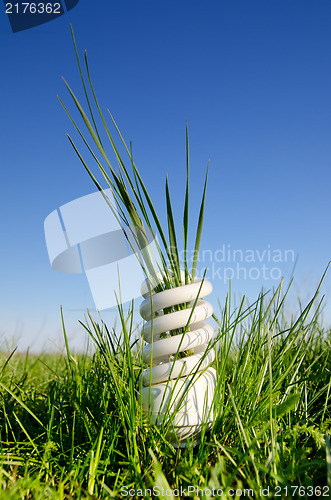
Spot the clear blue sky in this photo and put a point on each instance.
(253, 80)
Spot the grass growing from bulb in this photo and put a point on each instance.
(72, 427)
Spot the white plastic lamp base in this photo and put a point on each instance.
(195, 408)
(165, 382)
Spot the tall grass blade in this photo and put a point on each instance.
(186, 210)
(174, 262)
(23, 405)
(199, 228)
(83, 82)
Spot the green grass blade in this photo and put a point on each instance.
(174, 262)
(104, 173)
(83, 82)
(199, 228)
(7, 361)
(118, 156)
(88, 124)
(186, 210)
(23, 405)
(145, 191)
(119, 184)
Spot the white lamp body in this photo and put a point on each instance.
(181, 389)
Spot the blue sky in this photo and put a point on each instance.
(253, 81)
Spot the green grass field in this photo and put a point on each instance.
(72, 426)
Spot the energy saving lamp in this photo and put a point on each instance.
(174, 388)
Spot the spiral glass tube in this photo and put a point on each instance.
(179, 386)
